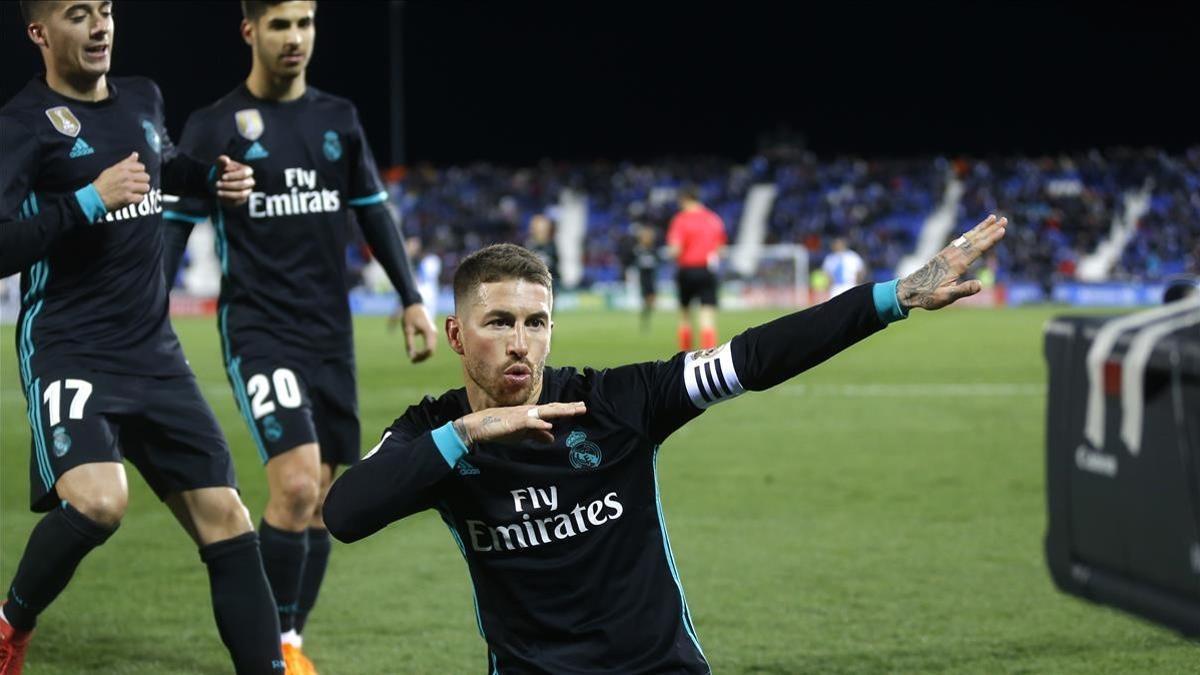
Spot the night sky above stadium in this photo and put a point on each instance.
(515, 82)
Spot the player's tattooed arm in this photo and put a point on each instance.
(937, 283)
(516, 423)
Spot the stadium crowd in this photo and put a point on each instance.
(1067, 205)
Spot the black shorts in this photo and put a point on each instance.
(289, 400)
(648, 281)
(696, 283)
(162, 425)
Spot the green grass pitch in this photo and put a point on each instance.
(881, 513)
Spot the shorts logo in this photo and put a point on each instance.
(249, 123)
(272, 428)
(584, 454)
(62, 441)
(64, 120)
(332, 146)
(152, 138)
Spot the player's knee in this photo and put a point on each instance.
(105, 507)
(299, 492)
(226, 518)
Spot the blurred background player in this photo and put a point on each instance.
(541, 242)
(104, 375)
(284, 315)
(844, 267)
(429, 272)
(696, 238)
(644, 259)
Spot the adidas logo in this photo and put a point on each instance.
(256, 151)
(465, 469)
(81, 148)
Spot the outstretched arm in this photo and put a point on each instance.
(661, 397)
(777, 351)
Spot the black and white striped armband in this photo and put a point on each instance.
(710, 377)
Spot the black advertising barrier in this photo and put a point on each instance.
(1123, 461)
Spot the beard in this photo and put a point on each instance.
(491, 381)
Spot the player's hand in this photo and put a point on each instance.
(936, 284)
(234, 181)
(123, 183)
(515, 423)
(416, 322)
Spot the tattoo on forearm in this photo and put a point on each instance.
(917, 288)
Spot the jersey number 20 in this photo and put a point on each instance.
(287, 392)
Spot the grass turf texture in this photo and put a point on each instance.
(869, 516)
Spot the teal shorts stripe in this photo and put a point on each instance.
(233, 370)
(33, 396)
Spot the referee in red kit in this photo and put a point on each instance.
(695, 238)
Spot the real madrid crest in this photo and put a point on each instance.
(249, 123)
(152, 138)
(64, 120)
(332, 146)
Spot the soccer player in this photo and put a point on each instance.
(547, 478)
(644, 258)
(695, 239)
(86, 158)
(844, 267)
(283, 313)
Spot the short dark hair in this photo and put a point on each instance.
(31, 10)
(689, 191)
(498, 262)
(253, 9)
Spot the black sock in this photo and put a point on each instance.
(243, 606)
(283, 555)
(314, 573)
(58, 542)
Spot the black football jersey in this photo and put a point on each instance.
(283, 253)
(96, 299)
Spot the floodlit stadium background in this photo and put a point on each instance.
(883, 513)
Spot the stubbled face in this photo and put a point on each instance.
(503, 336)
(283, 37)
(77, 37)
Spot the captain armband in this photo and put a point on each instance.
(710, 377)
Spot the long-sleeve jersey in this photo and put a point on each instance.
(91, 289)
(565, 543)
(283, 253)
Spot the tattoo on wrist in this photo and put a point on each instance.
(461, 430)
(917, 289)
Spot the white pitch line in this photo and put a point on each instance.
(946, 389)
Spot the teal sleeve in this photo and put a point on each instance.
(91, 203)
(887, 303)
(449, 444)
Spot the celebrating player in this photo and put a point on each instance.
(284, 316)
(547, 476)
(86, 158)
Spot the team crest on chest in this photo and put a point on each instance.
(332, 146)
(583, 454)
(249, 123)
(152, 138)
(64, 120)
